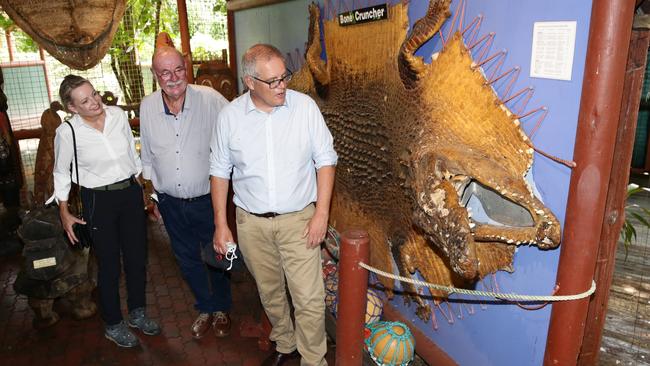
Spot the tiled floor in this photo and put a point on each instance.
(169, 300)
(626, 339)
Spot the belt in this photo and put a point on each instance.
(191, 199)
(266, 215)
(270, 215)
(123, 184)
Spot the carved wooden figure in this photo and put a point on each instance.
(44, 164)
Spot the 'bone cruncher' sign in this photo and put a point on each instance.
(370, 14)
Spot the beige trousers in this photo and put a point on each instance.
(276, 253)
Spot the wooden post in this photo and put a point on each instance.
(185, 38)
(352, 297)
(616, 195)
(232, 49)
(10, 45)
(600, 106)
(46, 73)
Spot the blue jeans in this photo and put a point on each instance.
(190, 224)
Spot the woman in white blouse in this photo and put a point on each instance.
(113, 206)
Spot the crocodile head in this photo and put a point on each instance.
(469, 162)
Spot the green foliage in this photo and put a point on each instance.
(634, 215)
(5, 22)
(23, 42)
(139, 31)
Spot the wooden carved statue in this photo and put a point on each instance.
(77, 282)
(77, 33)
(417, 142)
(44, 165)
(217, 75)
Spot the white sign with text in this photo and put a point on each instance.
(553, 47)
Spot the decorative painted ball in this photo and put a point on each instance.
(329, 268)
(330, 302)
(332, 283)
(390, 343)
(374, 307)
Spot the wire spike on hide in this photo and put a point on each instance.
(498, 55)
(453, 20)
(568, 163)
(485, 43)
(512, 75)
(499, 64)
(475, 25)
(442, 39)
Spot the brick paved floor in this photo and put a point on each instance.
(71, 342)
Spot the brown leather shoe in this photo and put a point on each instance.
(201, 325)
(276, 358)
(221, 324)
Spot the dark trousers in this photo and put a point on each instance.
(118, 227)
(190, 224)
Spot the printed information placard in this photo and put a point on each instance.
(553, 46)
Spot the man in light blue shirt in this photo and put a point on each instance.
(276, 145)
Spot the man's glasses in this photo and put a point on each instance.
(166, 74)
(276, 82)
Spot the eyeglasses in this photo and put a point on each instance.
(166, 74)
(276, 82)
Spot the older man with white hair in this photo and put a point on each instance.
(176, 123)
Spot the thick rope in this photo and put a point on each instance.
(495, 295)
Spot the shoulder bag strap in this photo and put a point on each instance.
(76, 167)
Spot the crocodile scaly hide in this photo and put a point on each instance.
(411, 138)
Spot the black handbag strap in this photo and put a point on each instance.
(76, 167)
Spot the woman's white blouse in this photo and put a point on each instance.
(104, 157)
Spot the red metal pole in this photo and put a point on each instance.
(185, 38)
(353, 288)
(600, 105)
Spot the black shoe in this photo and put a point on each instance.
(276, 358)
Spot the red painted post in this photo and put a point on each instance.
(352, 298)
(185, 38)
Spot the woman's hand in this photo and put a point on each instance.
(68, 220)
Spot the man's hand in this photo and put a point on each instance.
(222, 235)
(315, 230)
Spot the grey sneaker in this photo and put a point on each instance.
(121, 335)
(138, 319)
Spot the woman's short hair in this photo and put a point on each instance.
(69, 83)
